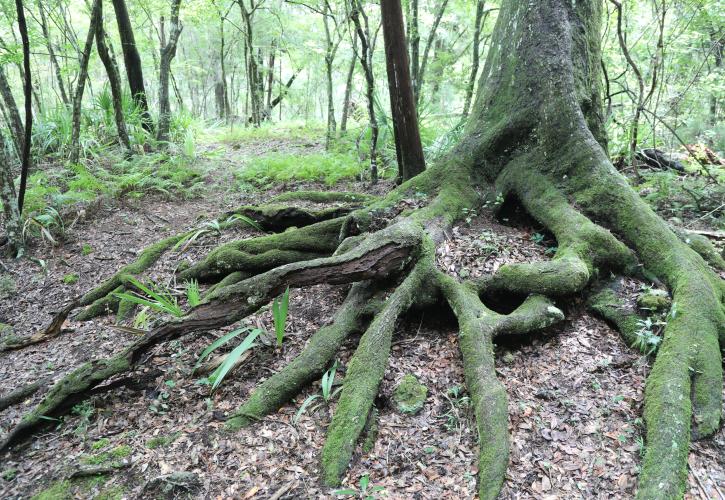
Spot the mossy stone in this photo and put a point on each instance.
(654, 300)
(409, 396)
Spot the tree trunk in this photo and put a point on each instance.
(81, 84)
(51, 53)
(426, 52)
(168, 52)
(717, 39)
(348, 88)
(132, 60)
(114, 80)
(253, 77)
(15, 122)
(362, 29)
(28, 93)
(8, 197)
(402, 102)
(475, 58)
(414, 41)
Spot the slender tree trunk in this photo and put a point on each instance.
(402, 102)
(114, 80)
(168, 52)
(8, 197)
(717, 39)
(15, 122)
(366, 60)
(270, 79)
(51, 53)
(348, 89)
(81, 84)
(253, 83)
(475, 58)
(426, 52)
(414, 41)
(28, 93)
(132, 60)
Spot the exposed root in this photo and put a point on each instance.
(49, 332)
(310, 364)
(702, 245)
(22, 393)
(478, 327)
(364, 374)
(267, 252)
(386, 252)
(610, 307)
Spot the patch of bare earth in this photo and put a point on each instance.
(575, 392)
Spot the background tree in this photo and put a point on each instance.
(409, 150)
(168, 52)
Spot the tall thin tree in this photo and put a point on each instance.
(28, 93)
(408, 146)
(168, 52)
(132, 60)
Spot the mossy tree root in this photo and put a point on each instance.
(102, 299)
(606, 303)
(260, 254)
(384, 254)
(478, 327)
(365, 372)
(310, 364)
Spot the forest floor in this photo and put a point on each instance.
(575, 392)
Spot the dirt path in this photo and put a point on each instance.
(575, 394)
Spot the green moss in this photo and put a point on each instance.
(70, 279)
(86, 249)
(162, 441)
(122, 451)
(409, 395)
(9, 474)
(654, 300)
(60, 490)
(371, 431)
(324, 197)
(101, 443)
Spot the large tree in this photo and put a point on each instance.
(535, 136)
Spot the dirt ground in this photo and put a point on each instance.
(575, 391)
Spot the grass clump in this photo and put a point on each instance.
(70, 279)
(329, 168)
(86, 249)
(59, 490)
(162, 441)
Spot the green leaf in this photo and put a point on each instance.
(303, 407)
(232, 358)
(218, 343)
(279, 313)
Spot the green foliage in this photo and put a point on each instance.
(86, 250)
(154, 297)
(364, 491)
(280, 308)
(162, 441)
(329, 168)
(70, 279)
(327, 393)
(231, 359)
(193, 295)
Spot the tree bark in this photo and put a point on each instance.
(81, 84)
(362, 29)
(8, 197)
(408, 146)
(253, 77)
(28, 92)
(15, 122)
(426, 52)
(475, 58)
(348, 88)
(168, 52)
(414, 41)
(132, 60)
(114, 80)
